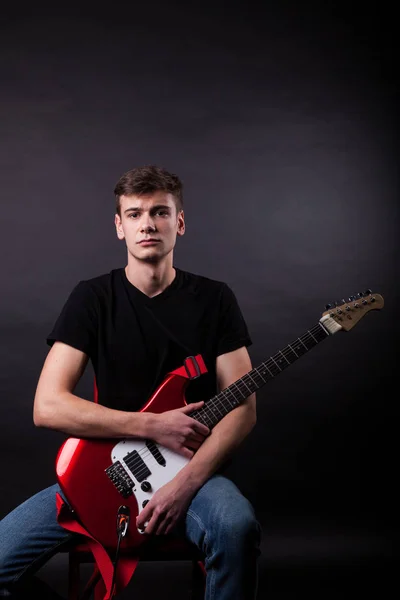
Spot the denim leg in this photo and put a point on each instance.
(222, 523)
(29, 536)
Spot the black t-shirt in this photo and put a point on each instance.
(133, 341)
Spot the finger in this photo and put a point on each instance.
(186, 452)
(200, 428)
(144, 516)
(170, 527)
(192, 445)
(152, 525)
(196, 437)
(192, 407)
(162, 527)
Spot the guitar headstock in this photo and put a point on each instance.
(347, 314)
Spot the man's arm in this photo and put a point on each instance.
(57, 407)
(170, 502)
(228, 434)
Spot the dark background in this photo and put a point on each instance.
(281, 120)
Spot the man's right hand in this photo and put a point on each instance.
(177, 430)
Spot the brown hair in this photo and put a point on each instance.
(146, 180)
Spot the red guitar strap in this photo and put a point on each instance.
(193, 367)
(126, 564)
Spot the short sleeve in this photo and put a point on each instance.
(232, 328)
(77, 322)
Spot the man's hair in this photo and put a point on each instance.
(146, 180)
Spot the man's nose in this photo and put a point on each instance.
(147, 224)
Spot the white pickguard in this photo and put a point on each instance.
(159, 475)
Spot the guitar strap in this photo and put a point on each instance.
(192, 368)
(128, 563)
(166, 330)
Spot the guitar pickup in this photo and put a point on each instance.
(137, 466)
(156, 453)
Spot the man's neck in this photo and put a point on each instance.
(151, 279)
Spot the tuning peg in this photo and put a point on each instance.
(328, 306)
(367, 292)
(351, 298)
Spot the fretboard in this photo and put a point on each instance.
(220, 405)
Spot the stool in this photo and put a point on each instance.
(161, 550)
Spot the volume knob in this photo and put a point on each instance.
(146, 486)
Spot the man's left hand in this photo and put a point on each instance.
(165, 509)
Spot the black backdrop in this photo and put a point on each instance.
(281, 121)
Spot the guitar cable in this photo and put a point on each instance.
(123, 517)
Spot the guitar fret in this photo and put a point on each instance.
(202, 418)
(285, 358)
(316, 341)
(252, 381)
(244, 383)
(259, 374)
(213, 410)
(227, 399)
(276, 364)
(272, 375)
(211, 421)
(300, 340)
(238, 390)
(229, 390)
(215, 405)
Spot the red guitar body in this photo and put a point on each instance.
(81, 466)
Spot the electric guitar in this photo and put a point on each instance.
(97, 476)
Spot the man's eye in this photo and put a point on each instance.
(133, 215)
(162, 213)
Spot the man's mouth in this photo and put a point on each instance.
(148, 242)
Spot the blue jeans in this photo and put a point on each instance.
(220, 521)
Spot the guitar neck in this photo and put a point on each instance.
(220, 405)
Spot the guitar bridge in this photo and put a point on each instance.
(120, 478)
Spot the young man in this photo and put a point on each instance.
(136, 324)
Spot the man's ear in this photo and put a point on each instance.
(118, 227)
(181, 223)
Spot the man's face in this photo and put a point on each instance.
(149, 225)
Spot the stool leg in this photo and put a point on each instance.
(92, 584)
(99, 590)
(198, 581)
(73, 576)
